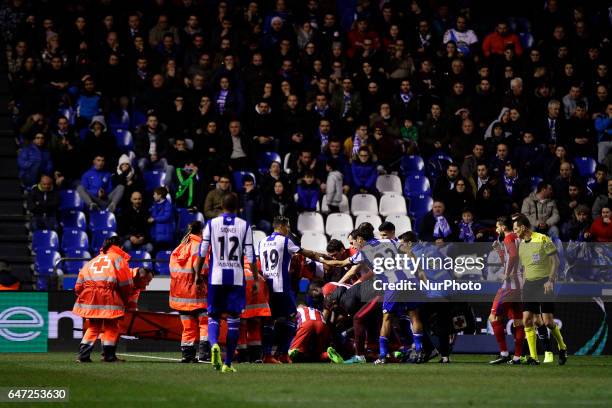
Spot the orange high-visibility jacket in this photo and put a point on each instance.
(103, 286)
(185, 295)
(256, 304)
(135, 293)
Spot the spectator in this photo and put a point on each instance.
(465, 38)
(458, 199)
(364, 173)
(444, 184)
(275, 204)
(488, 206)
(69, 163)
(469, 231)
(151, 144)
(333, 186)
(436, 226)
(571, 200)
(603, 126)
(187, 187)
(571, 100)
(601, 229)
(274, 174)
(34, 160)
(250, 200)
(541, 209)
(213, 205)
(161, 219)
(96, 189)
(99, 141)
(133, 225)
(43, 203)
(88, 102)
(237, 147)
(603, 200)
(496, 43)
(308, 191)
(578, 225)
(529, 154)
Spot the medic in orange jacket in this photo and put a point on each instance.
(102, 288)
(188, 295)
(141, 278)
(249, 342)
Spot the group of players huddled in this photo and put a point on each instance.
(225, 295)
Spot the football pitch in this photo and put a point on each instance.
(157, 379)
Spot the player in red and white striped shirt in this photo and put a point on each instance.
(312, 337)
(508, 298)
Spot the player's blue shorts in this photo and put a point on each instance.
(392, 303)
(282, 304)
(226, 299)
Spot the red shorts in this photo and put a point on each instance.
(505, 303)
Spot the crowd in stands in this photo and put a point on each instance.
(146, 108)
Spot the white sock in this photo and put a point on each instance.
(504, 353)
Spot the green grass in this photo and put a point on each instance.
(468, 381)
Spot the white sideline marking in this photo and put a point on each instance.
(153, 357)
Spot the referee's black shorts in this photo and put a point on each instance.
(534, 298)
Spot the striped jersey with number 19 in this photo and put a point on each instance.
(230, 239)
(275, 254)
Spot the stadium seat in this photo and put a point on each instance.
(186, 217)
(338, 223)
(74, 239)
(119, 120)
(310, 221)
(402, 223)
(73, 219)
(153, 179)
(102, 220)
(388, 183)
(373, 219)
(162, 260)
(98, 237)
(344, 205)
(140, 259)
(238, 176)
(534, 181)
(45, 260)
(125, 141)
(257, 237)
(314, 241)
(416, 184)
(265, 160)
(412, 164)
(585, 166)
(364, 204)
(138, 118)
(392, 204)
(342, 238)
(437, 164)
(44, 239)
(420, 205)
(70, 200)
(73, 267)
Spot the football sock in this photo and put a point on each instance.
(288, 335)
(556, 332)
(405, 334)
(543, 337)
(266, 339)
(519, 337)
(418, 341)
(500, 335)
(532, 342)
(213, 330)
(233, 331)
(383, 343)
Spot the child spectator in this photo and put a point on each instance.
(308, 192)
(469, 231)
(161, 219)
(333, 186)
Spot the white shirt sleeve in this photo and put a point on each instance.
(291, 247)
(205, 244)
(248, 245)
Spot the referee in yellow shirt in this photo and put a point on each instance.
(540, 261)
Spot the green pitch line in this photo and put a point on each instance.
(469, 381)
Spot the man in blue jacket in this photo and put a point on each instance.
(96, 188)
(34, 160)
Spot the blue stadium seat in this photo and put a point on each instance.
(102, 220)
(119, 120)
(586, 166)
(437, 164)
(535, 180)
(265, 160)
(125, 141)
(161, 262)
(83, 133)
(44, 239)
(416, 184)
(153, 179)
(138, 118)
(419, 205)
(185, 217)
(74, 239)
(140, 254)
(45, 260)
(69, 113)
(70, 200)
(98, 237)
(73, 219)
(238, 176)
(412, 164)
(73, 267)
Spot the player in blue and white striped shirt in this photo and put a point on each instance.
(229, 239)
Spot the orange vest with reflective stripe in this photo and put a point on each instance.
(103, 286)
(14, 286)
(185, 295)
(256, 304)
